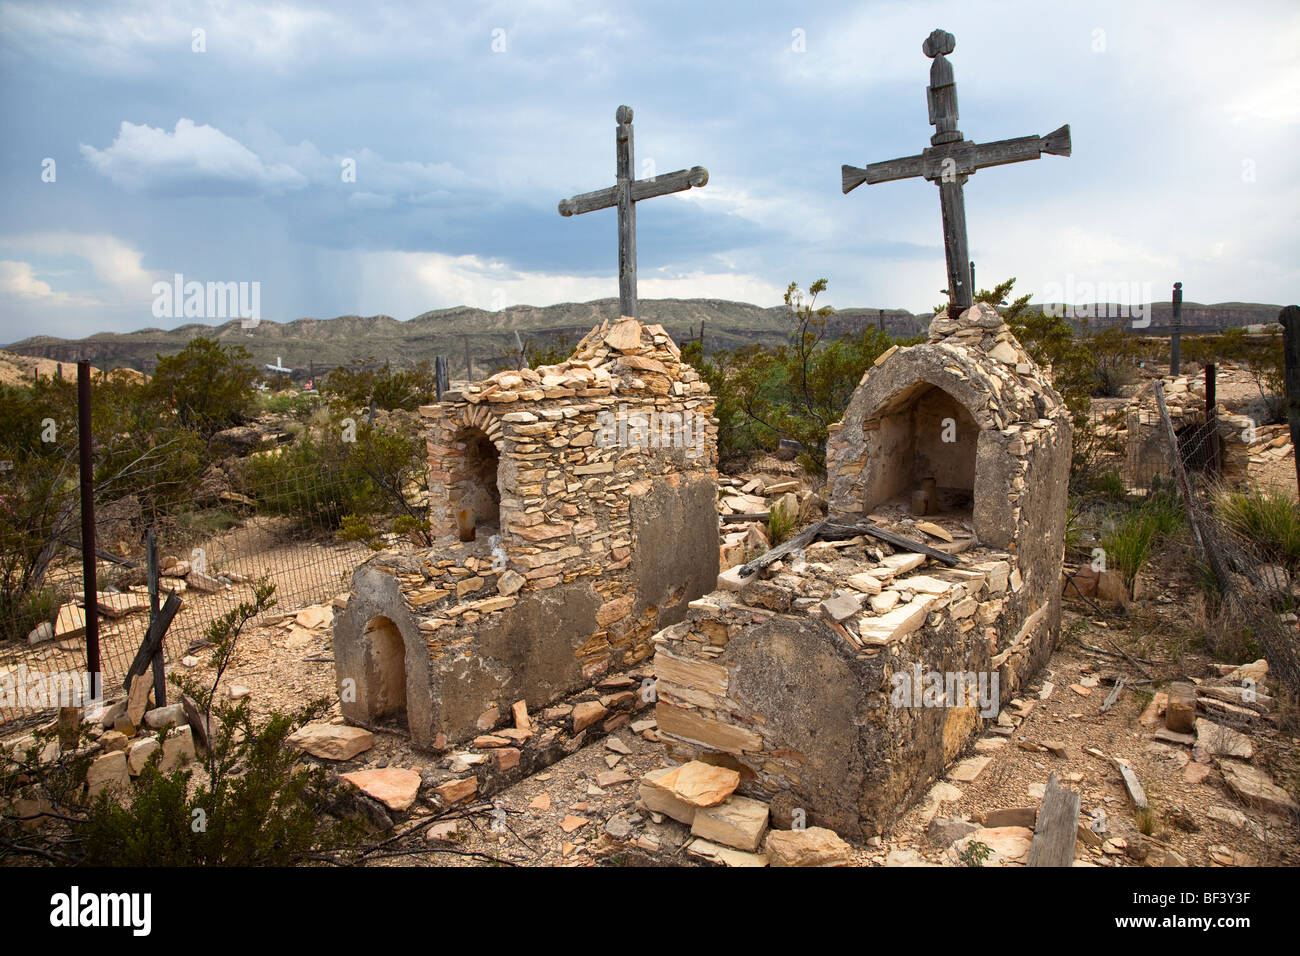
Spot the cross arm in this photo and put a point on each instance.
(641, 189)
(963, 158)
(851, 177)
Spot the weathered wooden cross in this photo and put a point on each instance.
(950, 161)
(625, 194)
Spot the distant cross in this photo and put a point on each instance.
(625, 194)
(1176, 332)
(950, 161)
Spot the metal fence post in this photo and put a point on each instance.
(85, 441)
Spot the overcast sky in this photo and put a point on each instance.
(215, 140)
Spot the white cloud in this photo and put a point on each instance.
(131, 38)
(202, 159)
(194, 157)
(18, 279)
(405, 284)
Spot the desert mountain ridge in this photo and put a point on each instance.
(491, 336)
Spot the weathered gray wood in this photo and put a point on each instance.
(198, 721)
(1132, 785)
(1056, 830)
(626, 213)
(1113, 696)
(675, 182)
(159, 672)
(1290, 319)
(833, 530)
(1176, 331)
(838, 530)
(955, 250)
(153, 638)
(948, 162)
(625, 194)
(804, 538)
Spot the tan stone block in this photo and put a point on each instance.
(587, 713)
(736, 822)
(614, 610)
(394, 787)
(454, 791)
(700, 675)
(332, 742)
(815, 846)
(692, 726)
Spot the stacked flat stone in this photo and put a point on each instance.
(976, 359)
(549, 596)
(1244, 442)
(790, 673)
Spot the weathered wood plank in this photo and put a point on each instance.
(834, 529)
(1056, 831)
(949, 160)
(626, 213)
(674, 182)
(1113, 695)
(804, 538)
(1132, 785)
(153, 638)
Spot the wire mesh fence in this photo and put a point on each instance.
(1247, 534)
(218, 535)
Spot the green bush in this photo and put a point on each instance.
(1134, 538)
(321, 477)
(208, 385)
(357, 386)
(1110, 485)
(1268, 519)
(252, 801)
(1130, 544)
(794, 391)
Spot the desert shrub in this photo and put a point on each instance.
(1113, 353)
(1269, 519)
(781, 523)
(321, 477)
(296, 405)
(548, 351)
(365, 384)
(794, 391)
(208, 385)
(1130, 544)
(251, 801)
(1110, 485)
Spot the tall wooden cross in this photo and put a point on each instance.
(950, 161)
(625, 194)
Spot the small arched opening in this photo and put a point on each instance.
(921, 452)
(475, 494)
(385, 662)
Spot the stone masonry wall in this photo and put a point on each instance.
(790, 676)
(607, 528)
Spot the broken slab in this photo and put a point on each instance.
(815, 846)
(1220, 741)
(1256, 788)
(737, 822)
(394, 787)
(728, 856)
(332, 741)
